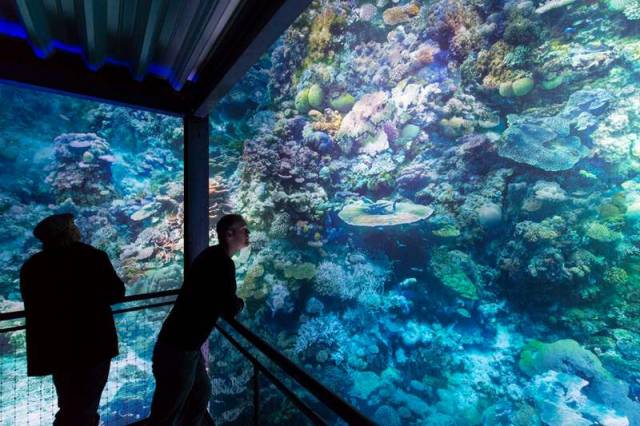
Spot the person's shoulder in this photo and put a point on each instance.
(211, 251)
(86, 247)
(90, 251)
(33, 261)
(212, 254)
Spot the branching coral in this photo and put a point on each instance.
(362, 281)
(323, 332)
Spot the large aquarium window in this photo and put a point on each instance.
(118, 170)
(444, 199)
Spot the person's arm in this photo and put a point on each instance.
(112, 286)
(230, 304)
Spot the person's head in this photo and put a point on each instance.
(233, 233)
(57, 230)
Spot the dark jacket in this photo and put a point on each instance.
(209, 291)
(67, 294)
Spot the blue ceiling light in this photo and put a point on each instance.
(167, 39)
(12, 29)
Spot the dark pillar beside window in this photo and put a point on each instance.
(196, 186)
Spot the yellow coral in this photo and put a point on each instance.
(328, 122)
(490, 65)
(249, 287)
(320, 34)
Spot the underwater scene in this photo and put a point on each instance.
(120, 172)
(444, 199)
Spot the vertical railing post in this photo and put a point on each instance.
(196, 187)
(255, 382)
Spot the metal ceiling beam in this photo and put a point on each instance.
(149, 32)
(255, 26)
(66, 73)
(93, 14)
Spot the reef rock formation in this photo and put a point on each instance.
(82, 170)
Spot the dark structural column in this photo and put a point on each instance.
(196, 186)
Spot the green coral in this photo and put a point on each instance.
(599, 232)
(615, 276)
(315, 96)
(609, 210)
(343, 103)
(522, 86)
(447, 231)
(301, 101)
(564, 355)
(456, 271)
(409, 132)
(505, 89)
(552, 83)
(300, 271)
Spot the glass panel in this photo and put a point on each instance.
(118, 170)
(444, 204)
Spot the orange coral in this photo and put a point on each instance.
(218, 202)
(424, 55)
(328, 122)
(400, 14)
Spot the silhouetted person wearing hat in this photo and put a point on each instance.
(183, 386)
(67, 289)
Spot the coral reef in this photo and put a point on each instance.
(82, 171)
(434, 189)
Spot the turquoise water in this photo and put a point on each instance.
(119, 171)
(445, 203)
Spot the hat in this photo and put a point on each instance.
(52, 227)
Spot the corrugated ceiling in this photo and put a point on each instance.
(166, 38)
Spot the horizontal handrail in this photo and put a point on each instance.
(342, 408)
(308, 411)
(339, 406)
(133, 298)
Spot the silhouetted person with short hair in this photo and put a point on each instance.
(68, 289)
(183, 386)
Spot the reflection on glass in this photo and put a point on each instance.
(444, 200)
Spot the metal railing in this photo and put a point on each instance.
(292, 372)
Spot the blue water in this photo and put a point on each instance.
(444, 200)
(503, 286)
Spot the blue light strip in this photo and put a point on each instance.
(16, 30)
(12, 29)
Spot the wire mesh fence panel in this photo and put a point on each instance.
(23, 400)
(126, 397)
(232, 396)
(277, 409)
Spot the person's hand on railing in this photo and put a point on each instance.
(239, 305)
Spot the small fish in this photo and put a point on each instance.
(64, 117)
(408, 281)
(417, 269)
(463, 312)
(569, 31)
